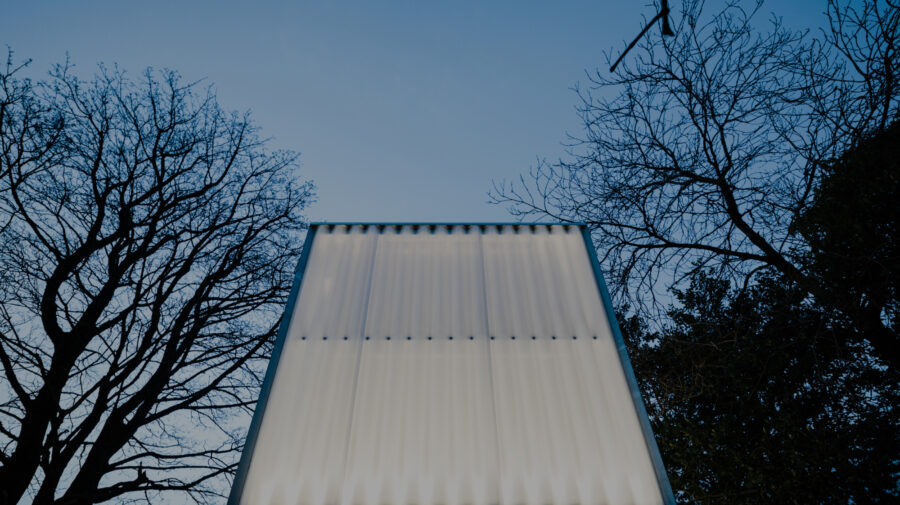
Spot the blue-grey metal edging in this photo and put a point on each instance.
(428, 223)
(664, 486)
(237, 487)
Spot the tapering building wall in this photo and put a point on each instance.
(450, 365)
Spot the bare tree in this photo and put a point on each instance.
(147, 240)
(702, 150)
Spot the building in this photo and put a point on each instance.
(457, 364)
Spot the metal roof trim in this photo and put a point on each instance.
(240, 477)
(661, 477)
(451, 223)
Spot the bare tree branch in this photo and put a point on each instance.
(146, 250)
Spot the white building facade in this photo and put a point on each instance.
(442, 364)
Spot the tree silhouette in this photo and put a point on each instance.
(756, 397)
(147, 239)
(704, 148)
(754, 173)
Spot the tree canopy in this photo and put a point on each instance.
(147, 241)
(755, 398)
(751, 171)
(704, 149)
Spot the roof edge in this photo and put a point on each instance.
(445, 223)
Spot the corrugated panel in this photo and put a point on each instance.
(427, 284)
(450, 366)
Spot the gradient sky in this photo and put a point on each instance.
(402, 110)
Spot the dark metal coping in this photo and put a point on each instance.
(432, 227)
(449, 223)
(240, 478)
(662, 479)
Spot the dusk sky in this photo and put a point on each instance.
(403, 111)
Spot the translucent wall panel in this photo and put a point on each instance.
(303, 441)
(427, 284)
(450, 365)
(423, 426)
(335, 289)
(567, 430)
(540, 283)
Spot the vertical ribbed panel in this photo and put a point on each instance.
(423, 425)
(427, 284)
(303, 440)
(568, 432)
(333, 300)
(540, 283)
(450, 365)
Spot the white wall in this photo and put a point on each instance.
(450, 368)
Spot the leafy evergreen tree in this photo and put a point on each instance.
(756, 398)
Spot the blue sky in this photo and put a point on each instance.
(402, 110)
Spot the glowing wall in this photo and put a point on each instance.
(449, 365)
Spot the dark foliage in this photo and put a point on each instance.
(851, 227)
(753, 172)
(755, 398)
